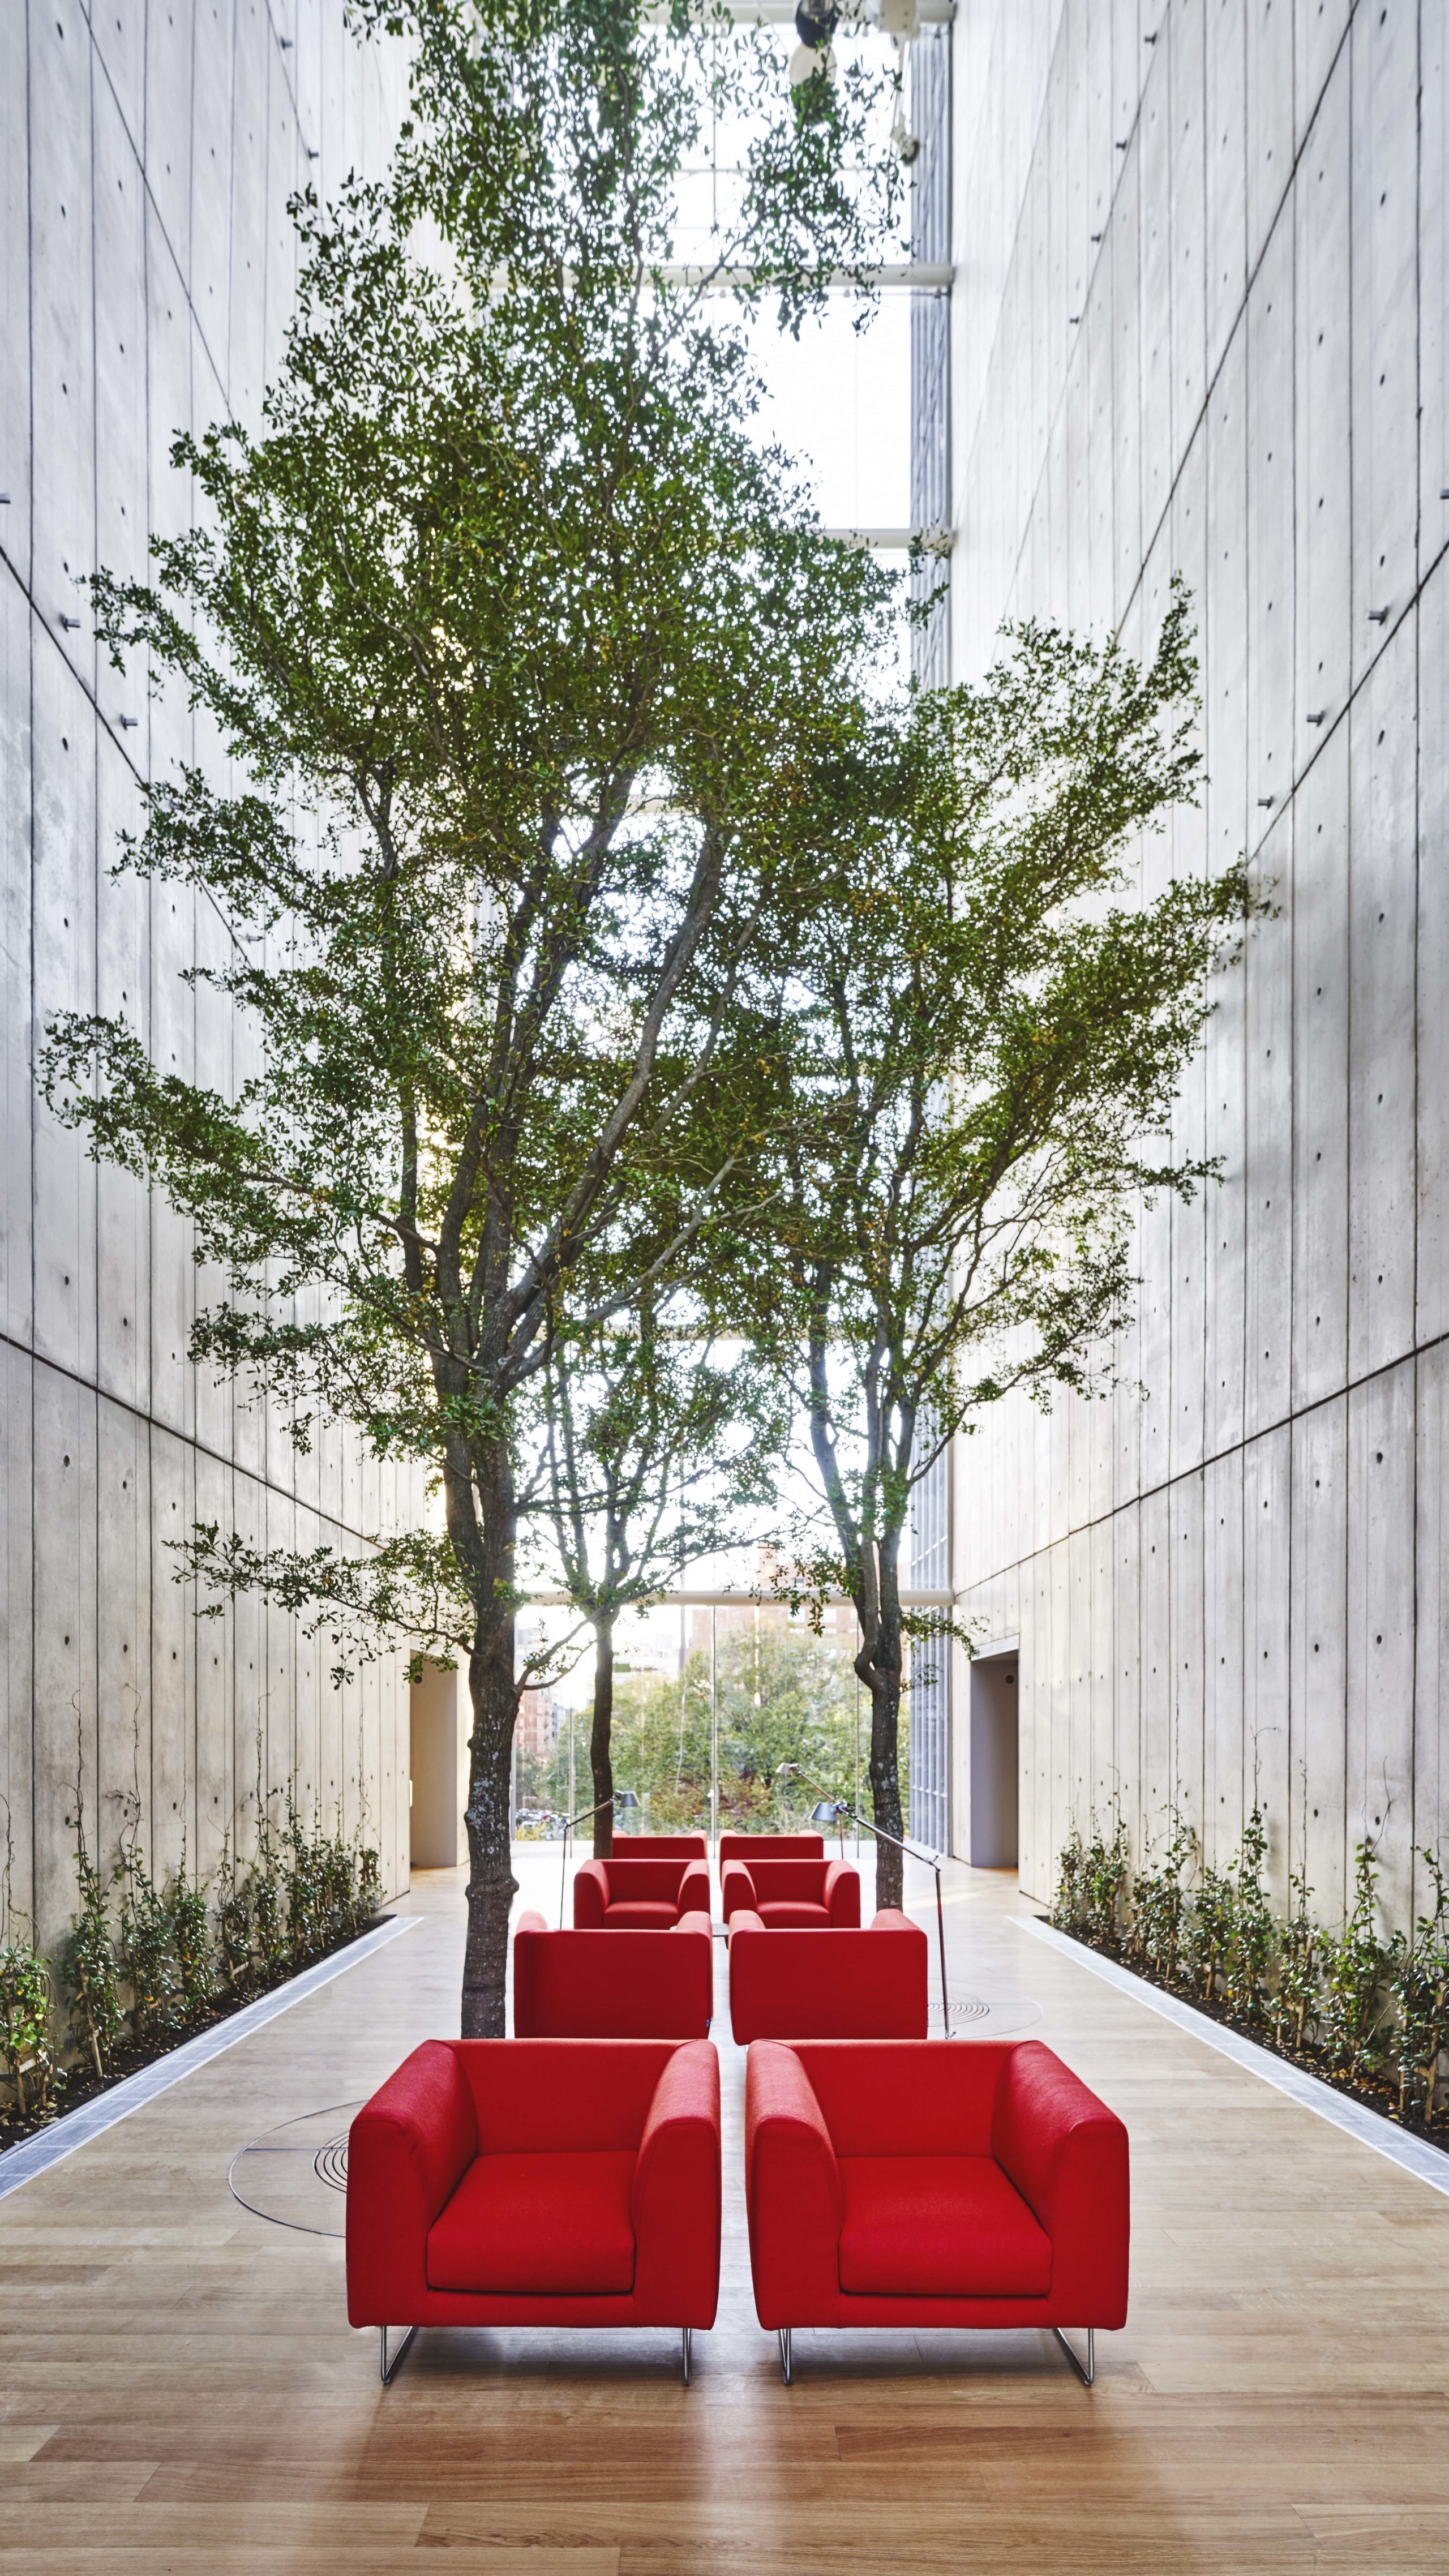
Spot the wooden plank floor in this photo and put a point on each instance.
(179, 2389)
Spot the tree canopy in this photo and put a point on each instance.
(987, 1024)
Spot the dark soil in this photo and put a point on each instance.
(1380, 2096)
(80, 2082)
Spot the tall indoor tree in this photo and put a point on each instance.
(502, 602)
(985, 1031)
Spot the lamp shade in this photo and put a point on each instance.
(824, 1813)
(625, 1798)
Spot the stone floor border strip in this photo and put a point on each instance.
(35, 2155)
(1427, 2163)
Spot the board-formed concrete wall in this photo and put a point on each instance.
(1200, 323)
(147, 150)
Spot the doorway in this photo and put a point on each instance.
(993, 1811)
(438, 1772)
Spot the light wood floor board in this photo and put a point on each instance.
(180, 2394)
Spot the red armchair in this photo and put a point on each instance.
(523, 2182)
(576, 1985)
(627, 1895)
(828, 1984)
(793, 1895)
(912, 2183)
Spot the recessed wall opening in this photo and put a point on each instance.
(437, 1760)
(993, 1812)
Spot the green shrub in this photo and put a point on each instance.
(1421, 1996)
(1159, 1915)
(88, 1966)
(194, 1945)
(1069, 1901)
(1375, 2009)
(1354, 2027)
(26, 2045)
(144, 1949)
(1252, 1948)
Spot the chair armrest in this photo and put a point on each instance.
(675, 2201)
(591, 1895)
(694, 1889)
(842, 1895)
(1067, 2155)
(793, 2191)
(889, 1918)
(737, 1888)
(703, 1930)
(745, 1920)
(407, 2150)
(530, 1920)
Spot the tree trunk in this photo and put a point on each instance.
(600, 1757)
(885, 1788)
(493, 1692)
(879, 1667)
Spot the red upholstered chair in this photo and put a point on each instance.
(828, 1984)
(793, 1895)
(627, 1895)
(915, 2183)
(577, 1985)
(748, 1847)
(537, 2182)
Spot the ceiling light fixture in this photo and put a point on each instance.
(814, 25)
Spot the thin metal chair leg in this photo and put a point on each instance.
(390, 2368)
(686, 2356)
(1086, 2370)
(785, 2364)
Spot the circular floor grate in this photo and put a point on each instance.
(987, 2016)
(296, 2175)
(330, 2163)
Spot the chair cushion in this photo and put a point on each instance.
(792, 1914)
(541, 2223)
(641, 1914)
(939, 2227)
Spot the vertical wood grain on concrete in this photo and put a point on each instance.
(1269, 78)
(1384, 51)
(1187, 1557)
(1433, 285)
(1382, 926)
(1431, 1033)
(1267, 1560)
(1226, 1793)
(1183, 38)
(1379, 1772)
(1317, 1779)
(1322, 433)
(1320, 1076)
(1431, 1607)
(1268, 1191)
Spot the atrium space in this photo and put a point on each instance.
(724, 1226)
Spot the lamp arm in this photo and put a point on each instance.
(932, 1861)
(581, 1818)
